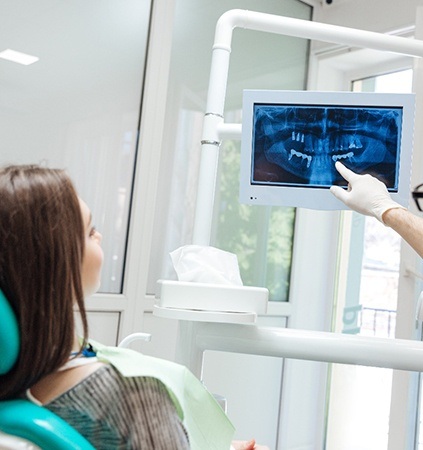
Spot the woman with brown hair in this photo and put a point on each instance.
(50, 260)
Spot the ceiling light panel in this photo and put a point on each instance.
(18, 57)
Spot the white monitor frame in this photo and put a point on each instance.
(352, 126)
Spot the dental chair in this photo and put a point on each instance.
(21, 418)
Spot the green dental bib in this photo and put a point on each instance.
(207, 425)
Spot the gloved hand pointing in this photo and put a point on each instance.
(366, 194)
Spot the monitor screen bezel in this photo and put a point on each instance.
(318, 197)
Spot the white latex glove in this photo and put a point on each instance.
(366, 194)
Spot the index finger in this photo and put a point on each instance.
(346, 173)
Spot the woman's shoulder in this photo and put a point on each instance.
(105, 382)
(58, 383)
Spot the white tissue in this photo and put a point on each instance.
(203, 264)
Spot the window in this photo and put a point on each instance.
(78, 106)
(360, 397)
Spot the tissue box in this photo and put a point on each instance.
(211, 297)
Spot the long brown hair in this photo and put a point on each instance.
(41, 251)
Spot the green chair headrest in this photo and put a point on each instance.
(9, 336)
(40, 426)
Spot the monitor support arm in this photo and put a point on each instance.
(213, 126)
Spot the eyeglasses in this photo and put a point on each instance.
(418, 196)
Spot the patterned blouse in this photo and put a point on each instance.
(115, 412)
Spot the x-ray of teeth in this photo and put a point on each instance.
(299, 145)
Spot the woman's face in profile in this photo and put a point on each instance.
(93, 253)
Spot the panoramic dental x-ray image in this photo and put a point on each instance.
(299, 144)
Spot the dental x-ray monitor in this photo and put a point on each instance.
(292, 139)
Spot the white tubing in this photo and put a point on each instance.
(218, 80)
(229, 130)
(311, 30)
(210, 147)
(205, 194)
(398, 354)
(134, 337)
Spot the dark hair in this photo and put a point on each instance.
(41, 251)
